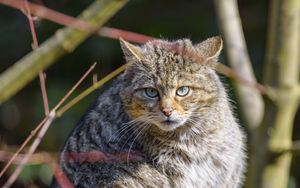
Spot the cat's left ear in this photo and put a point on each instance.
(131, 52)
(210, 48)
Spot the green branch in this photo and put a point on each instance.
(294, 149)
(281, 74)
(64, 41)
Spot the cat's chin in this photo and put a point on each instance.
(169, 125)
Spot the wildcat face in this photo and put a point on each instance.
(168, 84)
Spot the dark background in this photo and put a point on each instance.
(170, 19)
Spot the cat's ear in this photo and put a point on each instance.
(131, 51)
(210, 48)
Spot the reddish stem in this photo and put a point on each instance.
(44, 12)
(61, 178)
(35, 46)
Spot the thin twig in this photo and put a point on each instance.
(115, 33)
(31, 24)
(95, 78)
(35, 46)
(37, 158)
(41, 158)
(61, 178)
(32, 133)
(230, 73)
(32, 148)
(42, 124)
(74, 87)
(90, 90)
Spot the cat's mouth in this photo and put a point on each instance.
(169, 122)
(169, 125)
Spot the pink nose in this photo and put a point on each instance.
(167, 111)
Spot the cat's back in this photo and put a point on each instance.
(98, 126)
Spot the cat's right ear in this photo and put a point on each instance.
(131, 52)
(210, 48)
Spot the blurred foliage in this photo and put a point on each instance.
(170, 19)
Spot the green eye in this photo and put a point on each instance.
(151, 92)
(183, 91)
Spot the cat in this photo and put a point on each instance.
(165, 122)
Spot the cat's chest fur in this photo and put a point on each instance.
(201, 163)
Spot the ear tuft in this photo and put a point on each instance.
(210, 48)
(131, 51)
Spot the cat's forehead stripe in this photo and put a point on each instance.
(184, 48)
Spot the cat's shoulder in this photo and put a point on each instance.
(108, 105)
(102, 120)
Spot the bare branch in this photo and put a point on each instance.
(250, 100)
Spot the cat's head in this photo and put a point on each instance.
(167, 84)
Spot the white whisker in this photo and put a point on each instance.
(141, 131)
(127, 126)
(139, 123)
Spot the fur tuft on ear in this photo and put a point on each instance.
(131, 51)
(210, 48)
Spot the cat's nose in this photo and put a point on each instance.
(167, 111)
